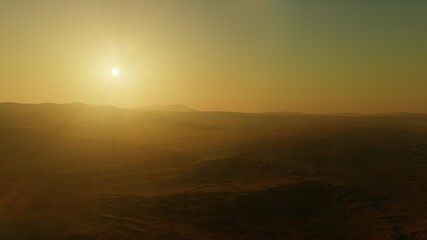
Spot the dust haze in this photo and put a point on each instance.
(77, 171)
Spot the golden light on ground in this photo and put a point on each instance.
(115, 72)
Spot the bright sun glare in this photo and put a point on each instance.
(115, 72)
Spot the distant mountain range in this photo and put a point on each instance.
(14, 106)
(168, 108)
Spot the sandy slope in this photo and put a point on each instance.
(83, 172)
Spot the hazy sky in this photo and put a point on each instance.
(236, 55)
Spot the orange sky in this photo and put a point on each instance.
(234, 55)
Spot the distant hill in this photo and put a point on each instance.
(168, 108)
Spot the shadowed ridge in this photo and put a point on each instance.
(168, 108)
(391, 114)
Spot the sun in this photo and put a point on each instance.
(115, 72)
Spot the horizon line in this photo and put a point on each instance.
(219, 111)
